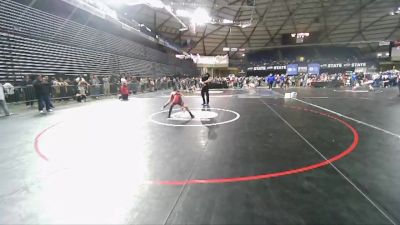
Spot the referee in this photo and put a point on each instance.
(205, 90)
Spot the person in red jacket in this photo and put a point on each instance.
(176, 99)
(124, 91)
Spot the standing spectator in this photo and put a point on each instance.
(63, 88)
(293, 81)
(95, 88)
(353, 80)
(135, 85)
(124, 91)
(270, 80)
(56, 88)
(28, 91)
(398, 83)
(152, 85)
(142, 84)
(277, 80)
(78, 79)
(3, 103)
(43, 90)
(282, 80)
(9, 89)
(106, 86)
(123, 80)
(305, 81)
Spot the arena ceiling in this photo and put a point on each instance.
(351, 22)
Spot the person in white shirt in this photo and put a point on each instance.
(3, 103)
(106, 86)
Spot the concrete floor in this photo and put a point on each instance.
(251, 158)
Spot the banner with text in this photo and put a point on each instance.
(314, 68)
(211, 61)
(292, 69)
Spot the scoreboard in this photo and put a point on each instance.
(300, 38)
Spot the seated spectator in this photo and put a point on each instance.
(81, 95)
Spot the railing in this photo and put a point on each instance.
(27, 94)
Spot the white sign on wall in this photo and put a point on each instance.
(211, 61)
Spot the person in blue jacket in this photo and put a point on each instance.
(271, 80)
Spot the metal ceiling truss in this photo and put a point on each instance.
(324, 14)
(291, 13)
(338, 21)
(356, 12)
(261, 19)
(238, 13)
(264, 23)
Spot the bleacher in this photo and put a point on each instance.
(34, 41)
(310, 54)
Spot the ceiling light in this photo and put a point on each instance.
(156, 3)
(152, 3)
(182, 13)
(225, 21)
(168, 8)
(200, 17)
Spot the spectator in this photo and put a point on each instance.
(124, 91)
(78, 79)
(43, 91)
(28, 91)
(81, 93)
(106, 86)
(8, 89)
(271, 80)
(3, 103)
(95, 88)
(398, 83)
(123, 80)
(152, 85)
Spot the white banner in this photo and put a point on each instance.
(211, 61)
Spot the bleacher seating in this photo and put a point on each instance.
(33, 41)
(310, 54)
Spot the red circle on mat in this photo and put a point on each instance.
(347, 151)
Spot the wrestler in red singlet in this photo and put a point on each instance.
(176, 99)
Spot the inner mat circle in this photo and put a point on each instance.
(207, 117)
